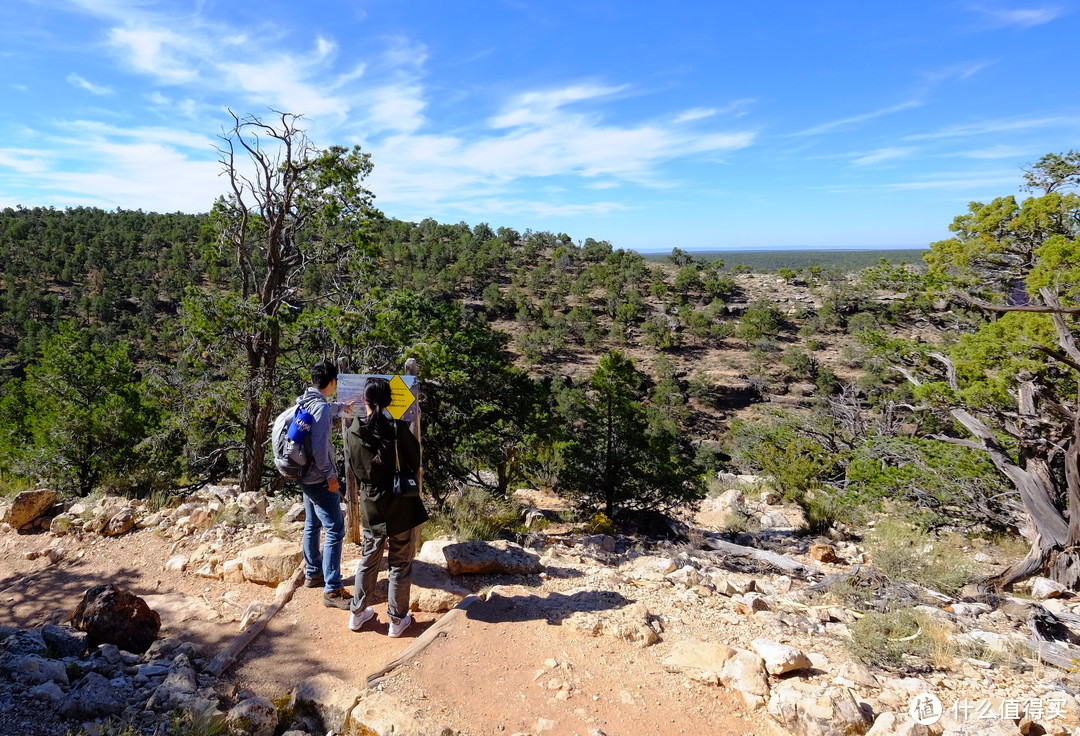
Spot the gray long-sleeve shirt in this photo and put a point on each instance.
(323, 467)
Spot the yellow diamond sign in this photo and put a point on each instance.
(401, 397)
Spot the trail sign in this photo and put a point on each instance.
(403, 389)
(401, 397)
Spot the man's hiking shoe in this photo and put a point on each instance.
(316, 582)
(361, 617)
(340, 598)
(398, 625)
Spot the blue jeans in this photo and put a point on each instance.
(322, 510)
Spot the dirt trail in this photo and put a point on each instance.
(508, 666)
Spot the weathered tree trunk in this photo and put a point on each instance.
(1055, 543)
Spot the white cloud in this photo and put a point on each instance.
(24, 160)
(542, 108)
(1024, 17)
(882, 155)
(854, 119)
(76, 81)
(156, 52)
(281, 83)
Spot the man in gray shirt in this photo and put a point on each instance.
(322, 501)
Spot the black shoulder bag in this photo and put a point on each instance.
(405, 482)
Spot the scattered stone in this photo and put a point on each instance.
(824, 553)
(252, 717)
(780, 658)
(1044, 588)
(94, 697)
(121, 523)
(807, 709)
(660, 565)
(271, 563)
(327, 699)
(178, 563)
(232, 571)
(745, 672)
(63, 641)
(490, 558)
(750, 603)
(108, 614)
(897, 724)
(700, 660)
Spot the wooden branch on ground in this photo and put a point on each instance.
(422, 642)
(785, 563)
(227, 657)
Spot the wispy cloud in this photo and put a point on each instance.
(993, 126)
(855, 119)
(1023, 17)
(995, 152)
(698, 113)
(76, 81)
(995, 180)
(882, 155)
(737, 108)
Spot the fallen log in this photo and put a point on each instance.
(783, 562)
(227, 657)
(422, 642)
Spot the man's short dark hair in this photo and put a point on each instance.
(322, 373)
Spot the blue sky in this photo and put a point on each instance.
(689, 124)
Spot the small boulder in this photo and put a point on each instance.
(252, 502)
(108, 614)
(27, 506)
(252, 717)
(780, 658)
(327, 699)
(120, 523)
(1045, 588)
(271, 563)
(810, 710)
(94, 697)
(823, 552)
(63, 641)
(699, 660)
(490, 558)
(745, 671)
(433, 590)
(897, 724)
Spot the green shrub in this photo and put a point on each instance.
(476, 514)
(906, 553)
(883, 639)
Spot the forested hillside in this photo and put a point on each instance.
(144, 352)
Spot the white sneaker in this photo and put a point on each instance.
(359, 618)
(398, 626)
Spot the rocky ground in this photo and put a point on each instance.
(569, 634)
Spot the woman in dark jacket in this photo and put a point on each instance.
(376, 448)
